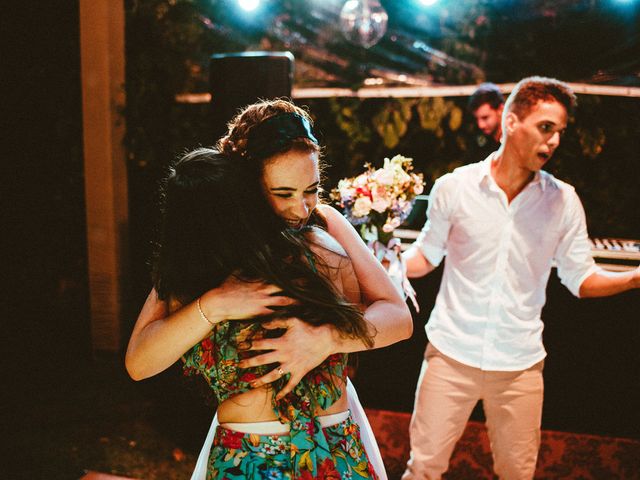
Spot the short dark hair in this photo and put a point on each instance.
(531, 90)
(486, 93)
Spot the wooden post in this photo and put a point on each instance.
(103, 98)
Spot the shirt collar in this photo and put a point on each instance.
(485, 171)
(540, 177)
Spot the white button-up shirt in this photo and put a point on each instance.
(499, 257)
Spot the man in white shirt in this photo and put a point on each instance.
(501, 223)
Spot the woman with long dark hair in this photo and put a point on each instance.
(228, 256)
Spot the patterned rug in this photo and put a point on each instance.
(562, 455)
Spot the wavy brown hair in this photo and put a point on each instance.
(234, 143)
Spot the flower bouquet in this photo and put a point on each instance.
(378, 201)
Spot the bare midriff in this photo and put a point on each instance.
(255, 406)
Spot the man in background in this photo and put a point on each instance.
(486, 105)
(502, 223)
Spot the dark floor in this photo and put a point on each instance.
(96, 418)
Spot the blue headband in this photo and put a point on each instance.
(276, 134)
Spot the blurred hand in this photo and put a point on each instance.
(300, 349)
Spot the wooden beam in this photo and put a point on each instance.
(103, 98)
(420, 91)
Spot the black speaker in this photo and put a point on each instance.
(239, 79)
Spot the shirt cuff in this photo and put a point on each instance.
(575, 287)
(433, 254)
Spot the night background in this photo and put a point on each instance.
(69, 407)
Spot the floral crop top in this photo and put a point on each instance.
(216, 359)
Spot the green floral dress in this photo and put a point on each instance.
(308, 451)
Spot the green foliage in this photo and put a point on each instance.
(392, 121)
(591, 141)
(348, 120)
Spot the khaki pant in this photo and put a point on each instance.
(446, 394)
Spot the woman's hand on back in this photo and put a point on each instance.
(300, 349)
(238, 299)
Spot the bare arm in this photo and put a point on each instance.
(603, 283)
(160, 338)
(385, 310)
(417, 264)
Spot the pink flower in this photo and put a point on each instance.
(379, 191)
(311, 429)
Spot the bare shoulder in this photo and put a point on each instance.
(337, 225)
(334, 263)
(333, 217)
(322, 243)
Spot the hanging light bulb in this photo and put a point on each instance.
(363, 22)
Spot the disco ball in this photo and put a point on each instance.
(363, 22)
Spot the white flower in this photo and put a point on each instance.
(361, 180)
(380, 204)
(398, 161)
(402, 177)
(383, 176)
(391, 225)
(362, 207)
(347, 192)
